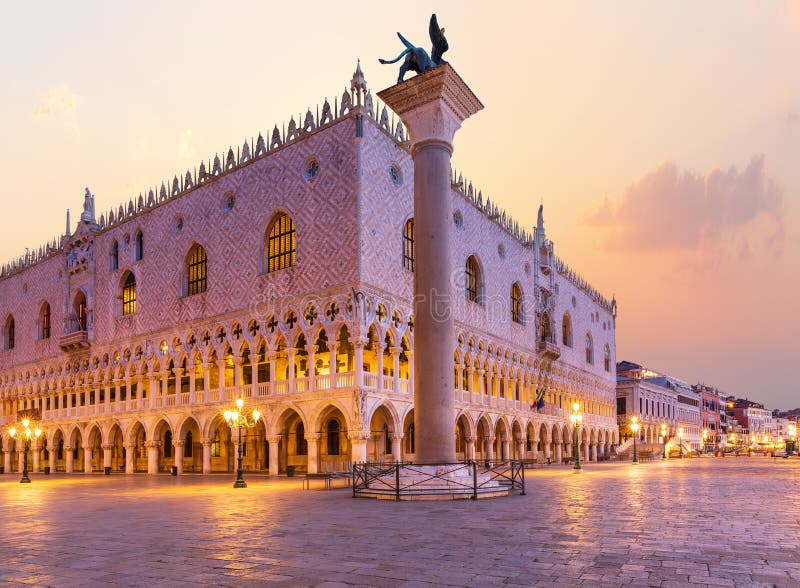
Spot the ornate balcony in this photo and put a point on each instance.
(548, 349)
(74, 341)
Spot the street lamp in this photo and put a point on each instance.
(635, 430)
(238, 419)
(664, 440)
(28, 433)
(576, 419)
(680, 439)
(705, 437)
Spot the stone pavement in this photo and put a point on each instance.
(731, 522)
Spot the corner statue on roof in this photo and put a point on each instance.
(417, 59)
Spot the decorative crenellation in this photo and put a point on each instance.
(356, 100)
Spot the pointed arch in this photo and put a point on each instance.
(473, 280)
(517, 310)
(45, 321)
(128, 293)
(195, 271)
(566, 330)
(9, 333)
(408, 245)
(589, 349)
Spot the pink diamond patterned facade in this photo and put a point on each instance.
(323, 349)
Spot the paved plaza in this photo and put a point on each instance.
(731, 522)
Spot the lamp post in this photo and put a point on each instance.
(635, 431)
(664, 440)
(793, 436)
(705, 437)
(238, 419)
(680, 439)
(576, 418)
(29, 433)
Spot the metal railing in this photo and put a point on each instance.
(405, 479)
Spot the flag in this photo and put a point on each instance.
(538, 403)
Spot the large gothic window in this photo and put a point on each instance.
(474, 284)
(281, 243)
(196, 271)
(566, 330)
(607, 358)
(9, 332)
(516, 303)
(408, 245)
(589, 349)
(129, 294)
(44, 321)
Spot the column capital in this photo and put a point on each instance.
(274, 438)
(432, 105)
(396, 436)
(152, 444)
(470, 439)
(358, 435)
(313, 436)
(108, 446)
(178, 442)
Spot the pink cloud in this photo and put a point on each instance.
(681, 210)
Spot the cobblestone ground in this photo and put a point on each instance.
(731, 522)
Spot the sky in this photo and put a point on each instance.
(662, 137)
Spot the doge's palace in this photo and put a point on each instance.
(281, 272)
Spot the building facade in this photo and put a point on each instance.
(282, 273)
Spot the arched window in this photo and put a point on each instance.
(196, 271)
(545, 333)
(408, 245)
(474, 280)
(113, 258)
(589, 349)
(168, 444)
(138, 246)
(188, 447)
(333, 437)
(300, 437)
(607, 358)
(129, 294)
(44, 321)
(411, 441)
(281, 243)
(566, 330)
(79, 310)
(10, 332)
(516, 303)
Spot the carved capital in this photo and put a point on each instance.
(358, 435)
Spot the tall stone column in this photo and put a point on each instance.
(52, 460)
(358, 446)
(7, 461)
(470, 448)
(432, 106)
(87, 459)
(36, 455)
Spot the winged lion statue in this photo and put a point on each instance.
(416, 58)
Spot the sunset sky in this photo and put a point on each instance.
(663, 138)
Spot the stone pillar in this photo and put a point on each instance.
(311, 359)
(358, 359)
(379, 346)
(107, 449)
(397, 446)
(7, 462)
(506, 449)
(469, 447)
(593, 452)
(396, 367)
(69, 459)
(273, 374)
(290, 353)
(206, 382)
(313, 452)
(358, 445)
(558, 452)
(178, 445)
(332, 348)
(206, 456)
(432, 106)
(521, 448)
(274, 464)
(130, 456)
(52, 460)
(152, 456)
(489, 453)
(20, 460)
